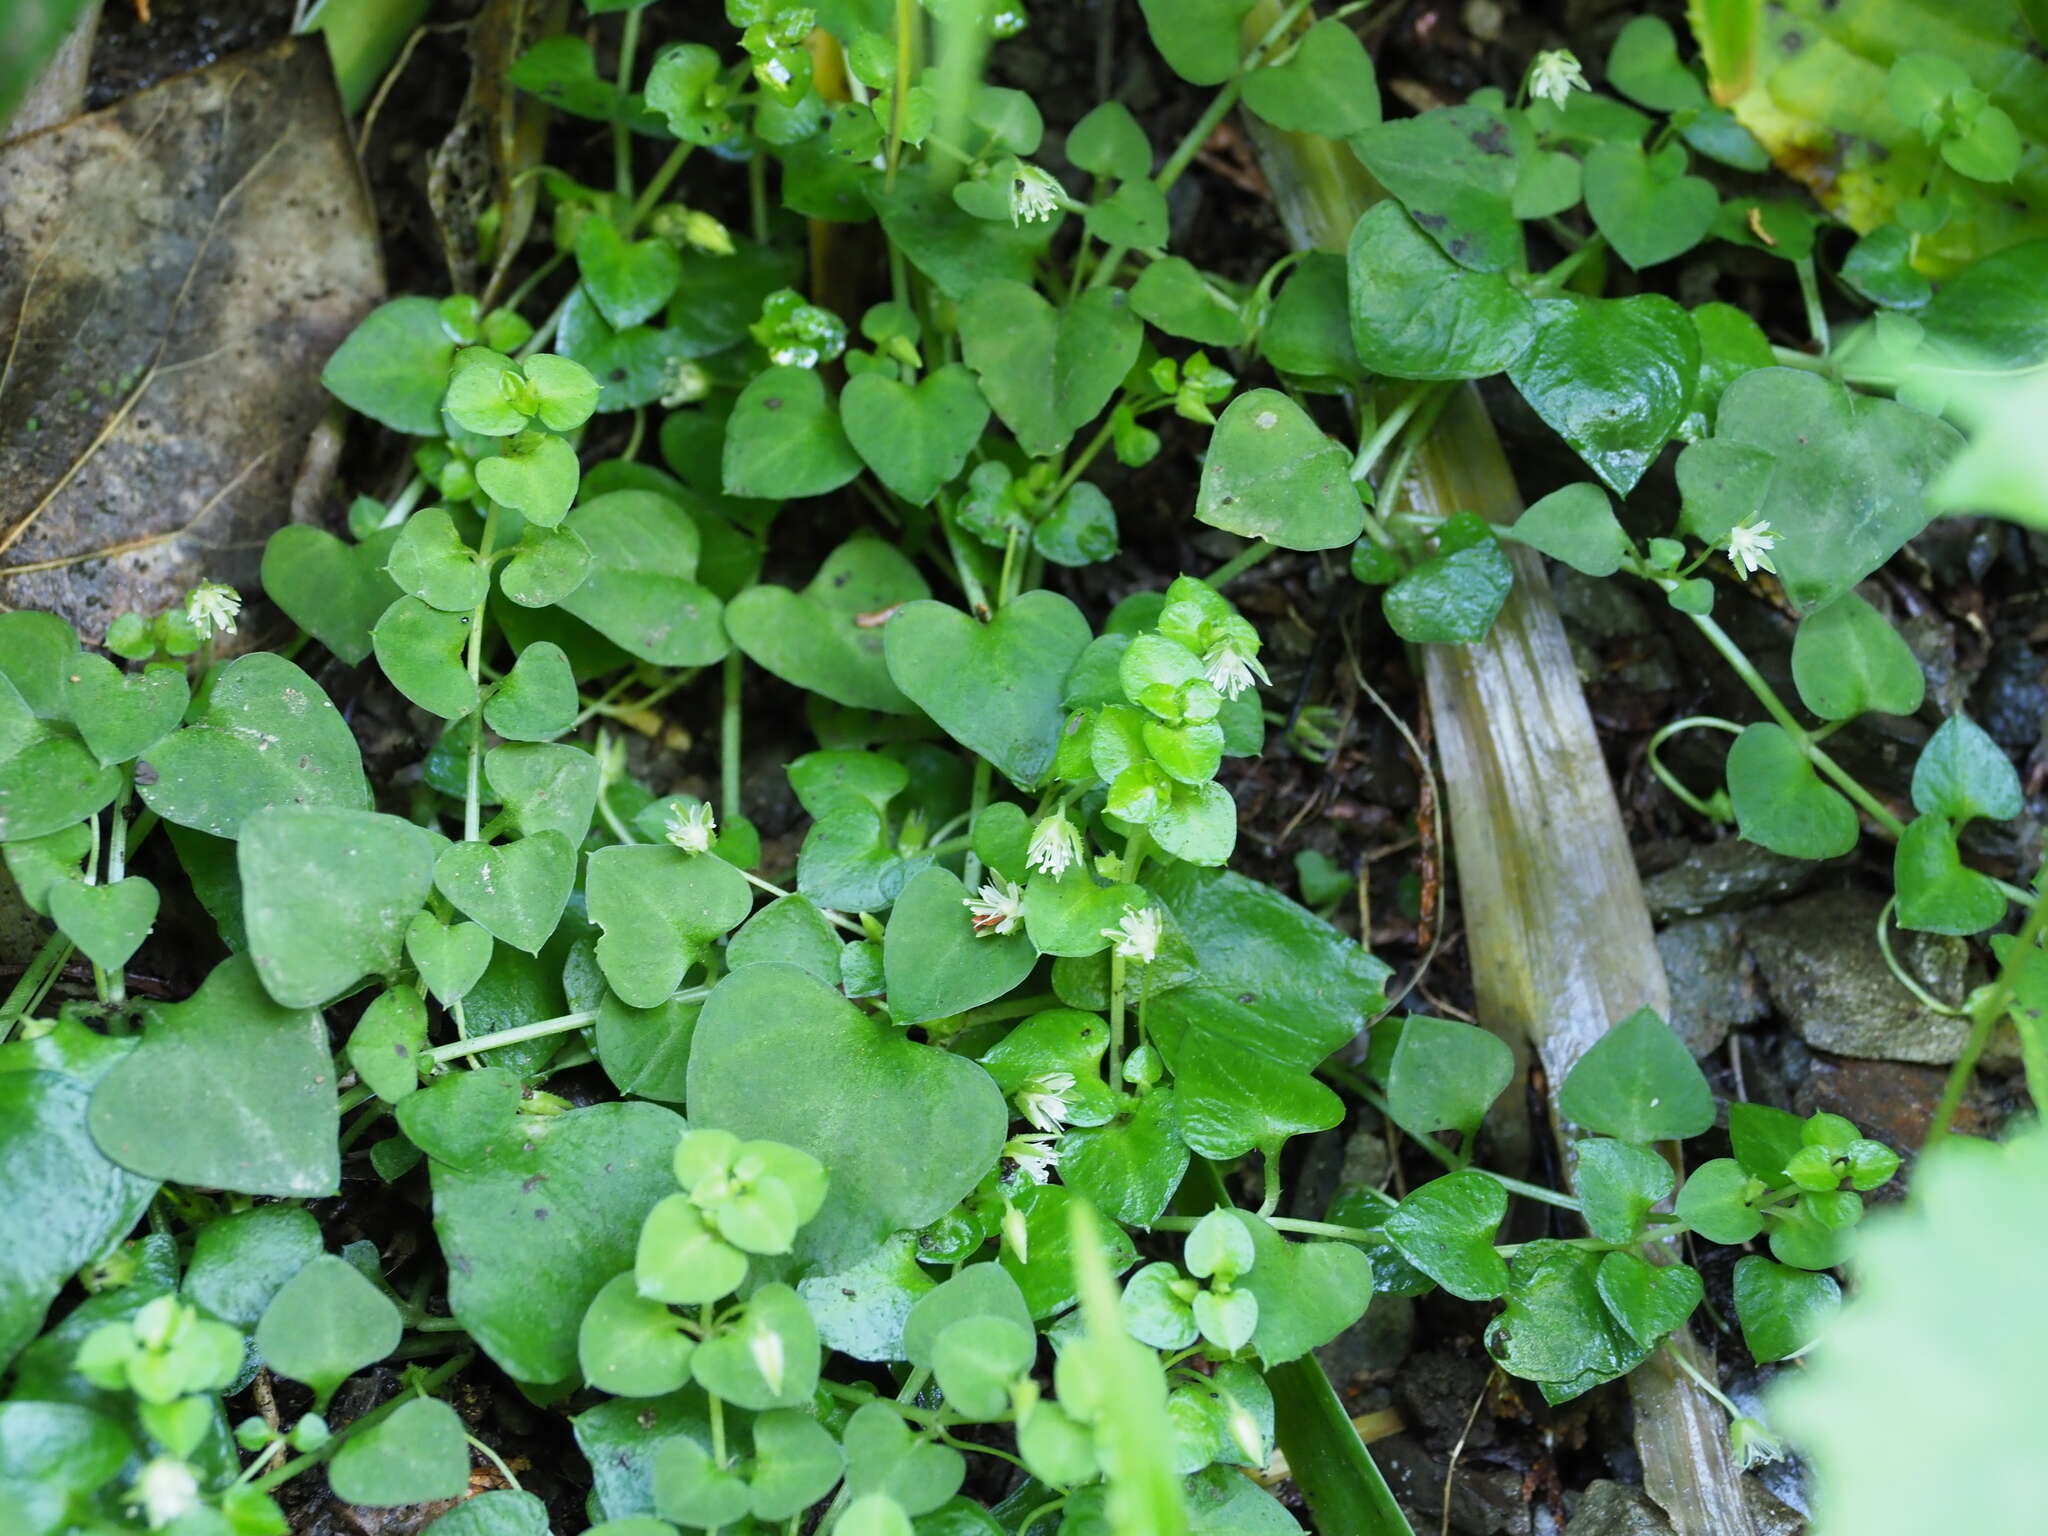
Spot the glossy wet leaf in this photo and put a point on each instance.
(1326, 85)
(1613, 377)
(1445, 1075)
(994, 687)
(416, 1455)
(107, 922)
(1847, 660)
(1618, 1184)
(421, 650)
(1454, 170)
(934, 962)
(1129, 1168)
(1451, 598)
(1649, 209)
(267, 736)
(326, 1323)
(784, 439)
(227, 1090)
(1648, 1300)
(1446, 1228)
(1416, 314)
(904, 1130)
(1842, 478)
(1781, 1309)
(1271, 473)
(1047, 372)
(660, 909)
(1780, 801)
(1556, 1330)
(120, 714)
(538, 1227)
(1576, 525)
(1714, 1201)
(1308, 1292)
(642, 592)
(914, 437)
(1638, 1082)
(1963, 773)
(860, 1311)
(815, 638)
(327, 895)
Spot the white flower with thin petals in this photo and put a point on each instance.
(1230, 671)
(1555, 74)
(1136, 935)
(1043, 1099)
(1753, 1443)
(1034, 1155)
(1034, 195)
(1055, 845)
(693, 830)
(167, 1491)
(1749, 548)
(211, 606)
(996, 908)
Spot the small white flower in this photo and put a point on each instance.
(1033, 195)
(1555, 74)
(1035, 1155)
(1136, 936)
(1230, 671)
(1750, 546)
(1055, 845)
(1043, 1099)
(996, 908)
(166, 1490)
(693, 830)
(1753, 1443)
(211, 606)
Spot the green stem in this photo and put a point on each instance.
(538, 1030)
(1240, 562)
(1986, 1009)
(970, 871)
(622, 133)
(1809, 293)
(1116, 1015)
(644, 204)
(1370, 450)
(1669, 779)
(27, 993)
(729, 739)
(470, 816)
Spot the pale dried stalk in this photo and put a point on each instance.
(1555, 921)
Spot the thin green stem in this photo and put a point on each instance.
(651, 194)
(1241, 562)
(1390, 428)
(622, 132)
(970, 870)
(729, 721)
(1075, 470)
(1986, 1009)
(1809, 293)
(1671, 780)
(27, 994)
(838, 919)
(470, 807)
(1116, 1014)
(538, 1030)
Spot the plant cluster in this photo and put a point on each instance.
(964, 1087)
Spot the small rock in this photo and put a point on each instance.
(1616, 1509)
(1716, 877)
(1485, 1500)
(2012, 696)
(1823, 970)
(1713, 980)
(1891, 1101)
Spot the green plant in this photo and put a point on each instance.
(962, 1087)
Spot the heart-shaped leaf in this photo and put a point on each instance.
(228, 1090)
(414, 1457)
(1780, 801)
(816, 638)
(633, 367)
(1618, 1184)
(107, 922)
(627, 281)
(1842, 478)
(120, 714)
(1416, 314)
(1129, 1168)
(386, 1043)
(430, 561)
(1445, 1075)
(934, 961)
(48, 780)
(537, 699)
(1047, 372)
(544, 786)
(630, 1346)
(1646, 206)
(534, 1230)
(546, 566)
(1556, 1329)
(515, 891)
(884, 1457)
(1715, 1200)
(1576, 525)
(660, 909)
(769, 1359)
(1613, 377)
(1454, 170)
(334, 591)
(1273, 474)
(1325, 85)
(904, 1130)
(995, 688)
(1962, 773)
(1308, 1293)
(915, 438)
(327, 895)
(450, 958)
(267, 736)
(642, 592)
(693, 1489)
(1639, 1083)
(1781, 1309)
(393, 367)
(1445, 1228)
(1847, 660)
(1938, 893)
(783, 439)
(460, 1117)
(421, 650)
(326, 1323)
(1649, 1300)
(535, 474)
